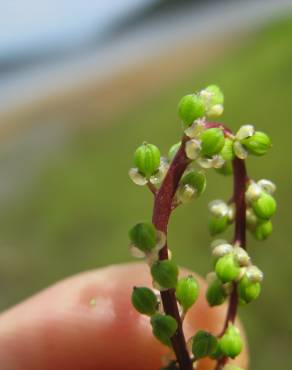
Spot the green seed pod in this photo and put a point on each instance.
(227, 151)
(247, 290)
(163, 327)
(257, 144)
(173, 150)
(263, 230)
(227, 268)
(204, 344)
(196, 179)
(217, 225)
(231, 343)
(212, 141)
(144, 300)
(143, 235)
(187, 291)
(215, 293)
(147, 159)
(165, 273)
(226, 169)
(190, 108)
(265, 206)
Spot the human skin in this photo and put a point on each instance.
(87, 322)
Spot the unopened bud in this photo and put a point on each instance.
(147, 159)
(165, 273)
(144, 300)
(258, 144)
(247, 290)
(187, 291)
(204, 344)
(231, 343)
(212, 141)
(143, 236)
(265, 206)
(163, 327)
(227, 268)
(190, 108)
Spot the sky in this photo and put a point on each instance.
(27, 24)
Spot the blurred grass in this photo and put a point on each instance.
(78, 210)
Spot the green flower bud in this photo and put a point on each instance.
(227, 151)
(187, 291)
(215, 293)
(147, 159)
(204, 344)
(163, 327)
(227, 268)
(265, 206)
(144, 300)
(263, 230)
(196, 180)
(212, 141)
(190, 108)
(247, 290)
(226, 169)
(218, 224)
(143, 235)
(173, 150)
(165, 273)
(231, 343)
(257, 144)
(217, 96)
(213, 100)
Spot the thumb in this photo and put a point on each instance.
(87, 322)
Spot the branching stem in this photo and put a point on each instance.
(161, 213)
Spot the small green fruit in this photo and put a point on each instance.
(187, 291)
(163, 327)
(165, 273)
(196, 180)
(143, 235)
(147, 159)
(173, 150)
(218, 225)
(265, 206)
(263, 230)
(212, 141)
(144, 300)
(257, 144)
(215, 293)
(231, 343)
(247, 290)
(190, 108)
(226, 169)
(227, 268)
(227, 151)
(204, 344)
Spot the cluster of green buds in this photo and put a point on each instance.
(261, 207)
(146, 242)
(232, 264)
(204, 145)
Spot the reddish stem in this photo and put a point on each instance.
(239, 183)
(161, 213)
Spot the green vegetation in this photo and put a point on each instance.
(81, 203)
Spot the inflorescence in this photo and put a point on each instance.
(177, 179)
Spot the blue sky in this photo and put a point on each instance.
(34, 23)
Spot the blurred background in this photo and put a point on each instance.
(82, 84)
